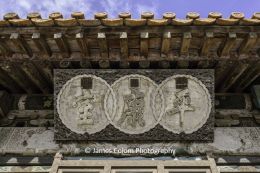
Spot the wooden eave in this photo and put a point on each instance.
(194, 42)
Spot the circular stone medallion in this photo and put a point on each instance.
(134, 104)
(80, 104)
(187, 104)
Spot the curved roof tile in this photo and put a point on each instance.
(124, 18)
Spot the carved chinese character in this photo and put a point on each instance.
(133, 113)
(80, 104)
(187, 104)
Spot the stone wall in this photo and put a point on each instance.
(40, 141)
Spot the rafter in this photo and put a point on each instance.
(21, 44)
(41, 44)
(185, 44)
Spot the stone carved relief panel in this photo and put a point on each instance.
(80, 104)
(187, 104)
(134, 104)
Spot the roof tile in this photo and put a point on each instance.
(43, 22)
(124, 18)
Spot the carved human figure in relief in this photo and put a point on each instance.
(133, 108)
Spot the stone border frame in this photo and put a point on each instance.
(201, 84)
(74, 78)
(158, 133)
(134, 76)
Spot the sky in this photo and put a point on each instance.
(113, 7)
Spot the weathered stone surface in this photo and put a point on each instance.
(27, 140)
(24, 169)
(134, 105)
(228, 140)
(80, 104)
(239, 168)
(227, 122)
(5, 134)
(187, 107)
(41, 122)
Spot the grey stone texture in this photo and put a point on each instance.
(40, 141)
(112, 132)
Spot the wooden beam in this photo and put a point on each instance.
(46, 69)
(164, 64)
(233, 101)
(85, 63)
(228, 44)
(23, 102)
(65, 64)
(5, 103)
(222, 69)
(19, 77)
(35, 76)
(62, 44)
(41, 44)
(237, 71)
(144, 64)
(186, 39)
(248, 43)
(103, 47)
(183, 64)
(166, 43)
(4, 85)
(252, 74)
(83, 44)
(204, 64)
(21, 44)
(124, 64)
(207, 44)
(124, 45)
(134, 30)
(7, 82)
(144, 43)
(6, 51)
(104, 64)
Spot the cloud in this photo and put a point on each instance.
(152, 7)
(113, 7)
(66, 7)
(45, 7)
